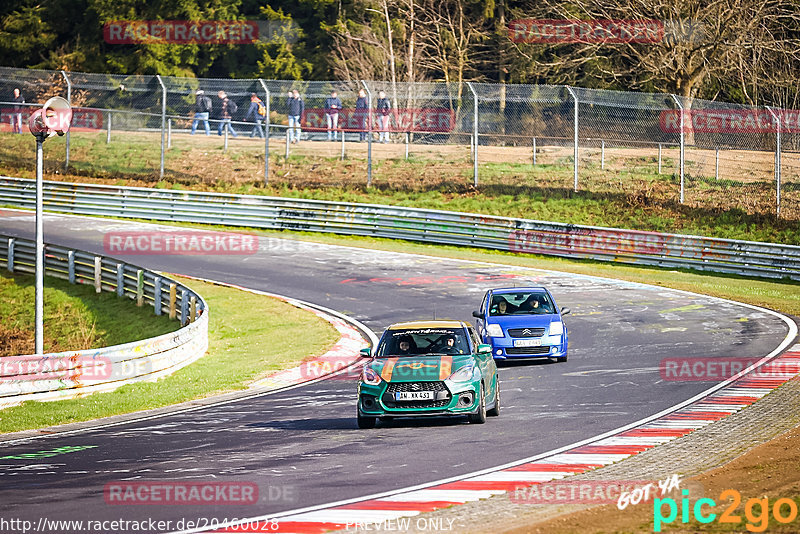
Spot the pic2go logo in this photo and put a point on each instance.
(783, 510)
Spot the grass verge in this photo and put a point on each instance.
(277, 336)
(75, 317)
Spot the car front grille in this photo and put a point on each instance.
(441, 393)
(526, 332)
(527, 350)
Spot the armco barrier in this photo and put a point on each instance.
(429, 226)
(76, 373)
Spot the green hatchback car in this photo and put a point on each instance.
(428, 368)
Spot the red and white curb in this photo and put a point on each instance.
(344, 354)
(731, 396)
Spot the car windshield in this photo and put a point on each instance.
(413, 342)
(521, 303)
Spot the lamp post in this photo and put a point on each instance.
(54, 118)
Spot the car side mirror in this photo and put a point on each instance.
(366, 352)
(477, 314)
(484, 349)
(564, 311)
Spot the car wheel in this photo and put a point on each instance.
(480, 417)
(366, 422)
(495, 411)
(562, 359)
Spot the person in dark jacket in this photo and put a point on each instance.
(332, 107)
(296, 107)
(226, 114)
(202, 108)
(256, 104)
(16, 115)
(361, 114)
(384, 108)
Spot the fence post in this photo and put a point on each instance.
(69, 99)
(659, 158)
(184, 306)
(716, 163)
(534, 152)
(777, 162)
(575, 137)
(192, 308)
(71, 266)
(406, 146)
(287, 143)
(108, 125)
(163, 119)
(266, 133)
(98, 274)
(120, 279)
(173, 299)
(602, 154)
(225, 148)
(343, 153)
(683, 144)
(10, 263)
(157, 295)
(369, 133)
(139, 287)
(474, 134)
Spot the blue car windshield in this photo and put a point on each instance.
(521, 303)
(423, 341)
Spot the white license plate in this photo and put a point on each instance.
(527, 342)
(413, 395)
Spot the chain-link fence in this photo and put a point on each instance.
(424, 135)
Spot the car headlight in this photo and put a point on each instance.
(494, 330)
(369, 376)
(464, 374)
(556, 328)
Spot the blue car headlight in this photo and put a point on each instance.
(494, 330)
(556, 328)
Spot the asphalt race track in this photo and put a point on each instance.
(302, 446)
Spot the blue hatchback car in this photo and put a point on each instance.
(522, 323)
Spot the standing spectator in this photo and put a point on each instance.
(362, 111)
(16, 115)
(296, 108)
(384, 108)
(259, 111)
(226, 113)
(332, 107)
(202, 108)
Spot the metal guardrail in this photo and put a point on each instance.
(430, 226)
(76, 373)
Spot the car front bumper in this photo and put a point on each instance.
(462, 399)
(503, 348)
